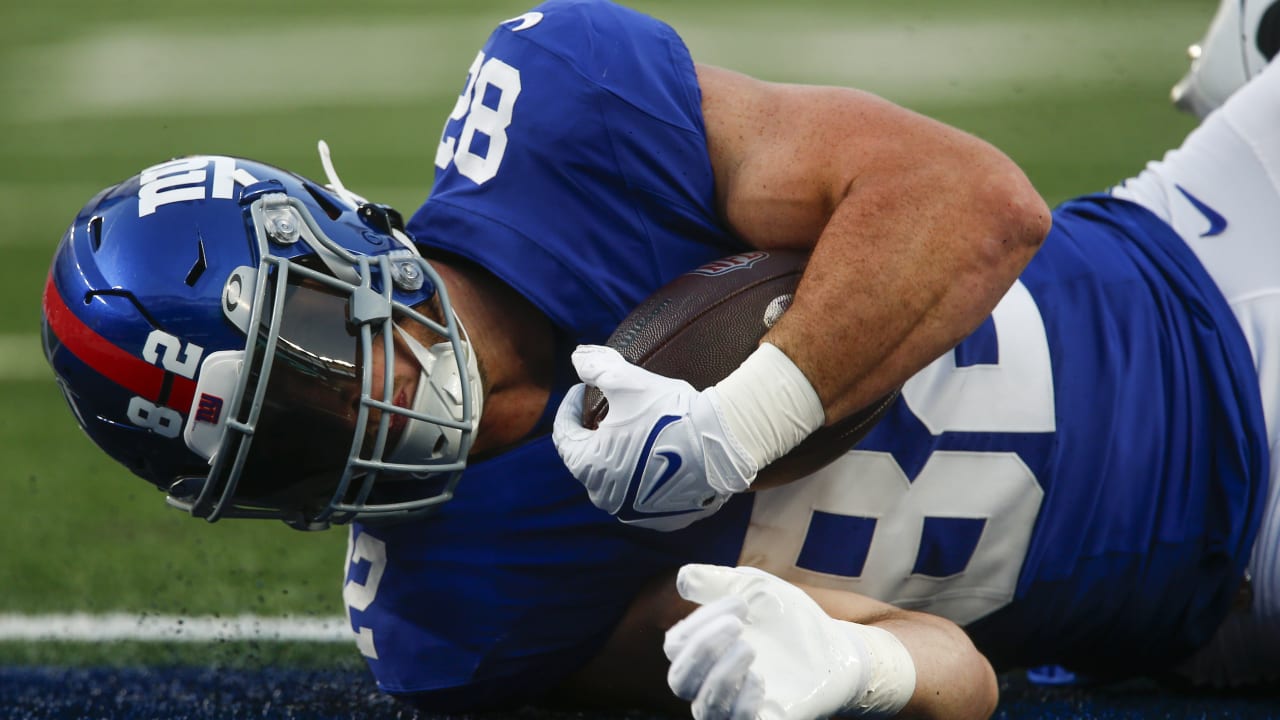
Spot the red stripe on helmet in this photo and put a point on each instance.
(124, 369)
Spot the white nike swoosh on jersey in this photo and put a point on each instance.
(526, 21)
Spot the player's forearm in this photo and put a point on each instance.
(916, 229)
(953, 680)
(912, 260)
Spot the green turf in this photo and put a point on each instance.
(1080, 100)
(83, 535)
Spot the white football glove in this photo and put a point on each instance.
(761, 648)
(662, 457)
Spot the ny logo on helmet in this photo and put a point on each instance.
(188, 179)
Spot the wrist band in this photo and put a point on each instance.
(891, 674)
(768, 405)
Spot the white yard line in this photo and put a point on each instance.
(84, 627)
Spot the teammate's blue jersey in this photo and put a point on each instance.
(1079, 481)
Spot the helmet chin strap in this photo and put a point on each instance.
(439, 394)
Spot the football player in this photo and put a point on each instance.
(1077, 468)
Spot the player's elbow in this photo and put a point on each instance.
(986, 688)
(979, 687)
(1027, 216)
(1018, 217)
(954, 681)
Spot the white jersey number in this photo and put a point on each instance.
(486, 113)
(993, 495)
(357, 595)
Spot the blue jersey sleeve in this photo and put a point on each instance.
(575, 164)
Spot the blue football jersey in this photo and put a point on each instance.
(574, 165)
(1078, 481)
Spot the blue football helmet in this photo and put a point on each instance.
(261, 346)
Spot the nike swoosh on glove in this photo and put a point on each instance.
(662, 457)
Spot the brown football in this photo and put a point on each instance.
(702, 325)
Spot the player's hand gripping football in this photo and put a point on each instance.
(761, 648)
(662, 457)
